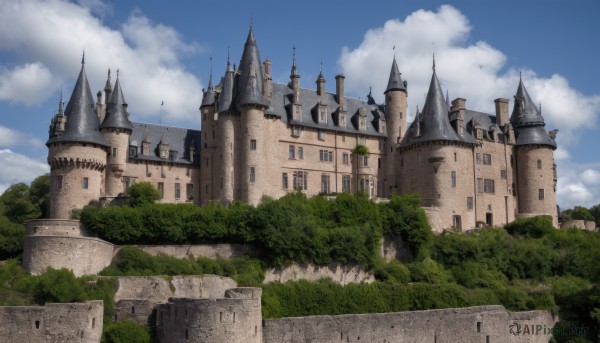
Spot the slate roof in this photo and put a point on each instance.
(395, 81)
(179, 139)
(528, 121)
(83, 124)
(433, 120)
(116, 110)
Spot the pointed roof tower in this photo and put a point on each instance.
(208, 98)
(116, 110)
(528, 121)
(82, 121)
(395, 82)
(251, 76)
(226, 96)
(433, 120)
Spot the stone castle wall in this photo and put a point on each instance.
(473, 324)
(73, 322)
(340, 274)
(589, 225)
(233, 319)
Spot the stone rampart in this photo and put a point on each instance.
(473, 324)
(580, 224)
(52, 323)
(233, 319)
(83, 255)
(56, 227)
(213, 251)
(337, 273)
(137, 296)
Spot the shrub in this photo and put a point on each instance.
(57, 286)
(125, 331)
(531, 227)
(11, 238)
(429, 271)
(142, 193)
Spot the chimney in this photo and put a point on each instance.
(267, 88)
(501, 111)
(458, 105)
(321, 89)
(339, 90)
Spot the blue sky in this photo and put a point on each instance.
(163, 51)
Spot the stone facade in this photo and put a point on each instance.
(52, 323)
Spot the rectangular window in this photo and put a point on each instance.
(479, 185)
(325, 156)
(323, 116)
(177, 190)
(321, 135)
(86, 183)
(487, 159)
(469, 203)
(284, 180)
(330, 155)
(114, 152)
(324, 183)
(488, 186)
(539, 164)
(346, 183)
(161, 189)
(253, 144)
(300, 153)
(189, 191)
(342, 120)
(292, 152)
(59, 182)
(541, 194)
(252, 174)
(132, 151)
(296, 131)
(366, 161)
(300, 180)
(478, 158)
(346, 158)
(453, 178)
(503, 174)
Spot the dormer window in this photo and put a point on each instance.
(479, 133)
(297, 113)
(362, 119)
(164, 153)
(132, 151)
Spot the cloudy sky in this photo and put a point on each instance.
(163, 50)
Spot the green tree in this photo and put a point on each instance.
(595, 212)
(58, 286)
(577, 213)
(142, 193)
(39, 193)
(11, 238)
(17, 204)
(125, 331)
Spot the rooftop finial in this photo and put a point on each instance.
(294, 54)
(520, 76)
(251, 22)
(109, 73)
(394, 48)
(83, 58)
(540, 107)
(60, 102)
(227, 54)
(117, 73)
(321, 69)
(433, 62)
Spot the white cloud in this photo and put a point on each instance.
(52, 34)
(475, 71)
(15, 168)
(10, 137)
(472, 71)
(28, 84)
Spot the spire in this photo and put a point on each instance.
(527, 120)
(294, 69)
(108, 86)
(433, 120)
(82, 121)
(395, 82)
(208, 97)
(60, 103)
(116, 110)
(83, 59)
(226, 96)
(433, 67)
(448, 100)
(251, 73)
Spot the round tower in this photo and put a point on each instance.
(77, 156)
(395, 107)
(536, 192)
(117, 129)
(208, 122)
(227, 119)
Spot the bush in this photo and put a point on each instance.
(57, 286)
(534, 227)
(125, 331)
(11, 238)
(142, 193)
(429, 271)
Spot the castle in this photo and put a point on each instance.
(262, 138)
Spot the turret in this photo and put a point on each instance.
(77, 157)
(295, 86)
(534, 155)
(209, 145)
(252, 105)
(117, 129)
(226, 137)
(395, 108)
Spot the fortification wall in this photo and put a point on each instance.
(213, 251)
(473, 324)
(83, 255)
(580, 224)
(56, 227)
(338, 273)
(137, 296)
(235, 319)
(75, 322)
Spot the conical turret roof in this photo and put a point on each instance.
(83, 124)
(395, 82)
(528, 121)
(250, 90)
(116, 110)
(208, 98)
(226, 96)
